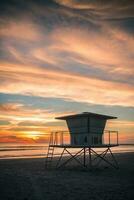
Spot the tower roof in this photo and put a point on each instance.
(84, 114)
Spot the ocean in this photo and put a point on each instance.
(14, 151)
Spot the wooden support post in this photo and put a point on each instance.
(109, 137)
(84, 157)
(117, 138)
(90, 158)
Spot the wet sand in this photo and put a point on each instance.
(27, 179)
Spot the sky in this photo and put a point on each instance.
(59, 57)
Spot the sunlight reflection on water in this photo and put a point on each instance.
(40, 150)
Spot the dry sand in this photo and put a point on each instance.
(27, 179)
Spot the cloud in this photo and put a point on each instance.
(41, 123)
(15, 139)
(45, 55)
(22, 120)
(92, 56)
(21, 29)
(103, 9)
(16, 113)
(4, 123)
(10, 107)
(26, 124)
(82, 48)
(104, 53)
(27, 80)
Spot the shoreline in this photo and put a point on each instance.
(56, 155)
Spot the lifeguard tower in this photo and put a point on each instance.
(86, 133)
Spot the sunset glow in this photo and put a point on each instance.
(60, 57)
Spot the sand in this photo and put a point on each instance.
(27, 179)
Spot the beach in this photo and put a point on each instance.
(27, 179)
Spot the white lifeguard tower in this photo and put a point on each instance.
(86, 132)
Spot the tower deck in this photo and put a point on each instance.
(61, 139)
(82, 146)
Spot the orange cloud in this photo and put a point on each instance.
(27, 124)
(15, 113)
(15, 139)
(21, 129)
(29, 79)
(103, 52)
(45, 55)
(21, 29)
(121, 124)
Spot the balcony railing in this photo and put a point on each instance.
(65, 138)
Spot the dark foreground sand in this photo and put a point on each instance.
(26, 179)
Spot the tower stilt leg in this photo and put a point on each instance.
(90, 158)
(84, 157)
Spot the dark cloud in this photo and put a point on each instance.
(4, 122)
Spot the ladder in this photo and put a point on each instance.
(50, 152)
